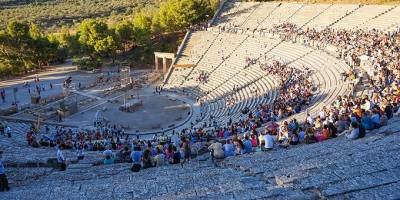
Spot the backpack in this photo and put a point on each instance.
(361, 134)
(135, 168)
(63, 167)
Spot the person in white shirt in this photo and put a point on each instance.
(322, 114)
(176, 140)
(60, 156)
(60, 159)
(310, 120)
(7, 130)
(354, 132)
(269, 141)
(107, 152)
(216, 150)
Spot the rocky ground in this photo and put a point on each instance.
(366, 168)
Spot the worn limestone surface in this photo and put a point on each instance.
(367, 168)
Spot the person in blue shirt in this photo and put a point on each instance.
(226, 133)
(136, 157)
(109, 157)
(229, 149)
(376, 119)
(3, 177)
(367, 122)
(247, 147)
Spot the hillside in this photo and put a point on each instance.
(53, 14)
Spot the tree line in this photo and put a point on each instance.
(25, 47)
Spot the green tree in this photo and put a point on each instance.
(35, 31)
(24, 47)
(96, 39)
(176, 15)
(142, 23)
(18, 30)
(89, 33)
(108, 46)
(124, 31)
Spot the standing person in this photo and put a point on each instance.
(60, 159)
(2, 129)
(3, 178)
(3, 95)
(51, 85)
(7, 130)
(79, 153)
(38, 89)
(186, 149)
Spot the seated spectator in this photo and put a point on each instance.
(253, 140)
(159, 158)
(283, 132)
(247, 147)
(367, 122)
(239, 146)
(108, 160)
(147, 159)
(301, 135)
(384, 119)
(342, 124)
(216, 150)
(354, 132)
(261, 139)
(169, 152)
(309, 136)
(136, 157)
(229, 149)
(323, 135)
(376, 118)
(269, 141)
(332, 130)
(125, 154)
(108, 154)
(326, 132)
(176, 158)
(294, 139)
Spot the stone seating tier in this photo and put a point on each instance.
(335, 169)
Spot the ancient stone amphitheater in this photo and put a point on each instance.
(338, 168)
